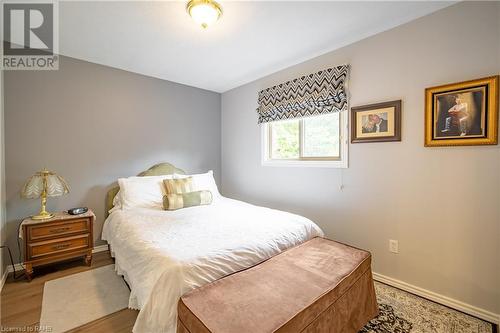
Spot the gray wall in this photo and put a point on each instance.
(93, 124)
(442, 204)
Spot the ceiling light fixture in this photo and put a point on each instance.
(204, 12)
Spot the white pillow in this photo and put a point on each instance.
(142, 192)
(203, 181)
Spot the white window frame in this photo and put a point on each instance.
(341, 162)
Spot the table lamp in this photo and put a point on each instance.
(41, 185)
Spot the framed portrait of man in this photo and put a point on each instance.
(379, 122)
(462, 114)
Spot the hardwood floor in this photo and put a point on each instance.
(21, 301)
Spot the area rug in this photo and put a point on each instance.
(80, 298)
(402, 312)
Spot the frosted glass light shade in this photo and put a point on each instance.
(53, 185)
(204, 12)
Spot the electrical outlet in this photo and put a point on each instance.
(393, 246)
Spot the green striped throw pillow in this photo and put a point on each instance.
(179, 185)
(174, 201)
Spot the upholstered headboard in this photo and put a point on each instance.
(156, 170)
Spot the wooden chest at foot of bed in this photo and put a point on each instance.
(318, 286)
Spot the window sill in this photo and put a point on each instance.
(305, 164)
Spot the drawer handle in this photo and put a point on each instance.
(58, 230)
(60, 246)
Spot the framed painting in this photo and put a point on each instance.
(379, 122)
(462, 114)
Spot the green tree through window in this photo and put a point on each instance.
(316, 137)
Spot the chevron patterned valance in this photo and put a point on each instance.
(318, 93)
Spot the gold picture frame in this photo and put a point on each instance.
(462, 114)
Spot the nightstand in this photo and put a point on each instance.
(56, 239)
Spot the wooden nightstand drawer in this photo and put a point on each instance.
(59, 238)
(58, 229)
(47, 248)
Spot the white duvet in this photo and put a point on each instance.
(164, 254)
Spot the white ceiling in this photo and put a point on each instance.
(253, 39)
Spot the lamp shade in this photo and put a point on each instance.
(44, 181)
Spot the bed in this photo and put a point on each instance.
(164, 254)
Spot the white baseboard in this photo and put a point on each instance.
(4, 278)
(100, 248)
(447, 301)
(19, 267)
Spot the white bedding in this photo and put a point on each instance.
(164, 254)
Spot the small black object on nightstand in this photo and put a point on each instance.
(77, 211)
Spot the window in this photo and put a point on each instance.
(311, 141)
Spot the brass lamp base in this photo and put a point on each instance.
(42, 216)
